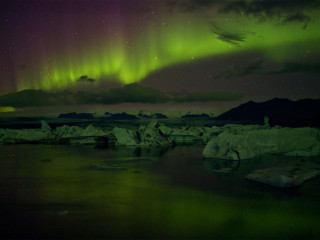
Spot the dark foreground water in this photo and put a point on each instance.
(76, 192)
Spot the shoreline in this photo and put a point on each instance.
(231, 142)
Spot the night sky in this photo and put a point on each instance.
(260, 49)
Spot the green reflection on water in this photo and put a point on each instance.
(60, 192)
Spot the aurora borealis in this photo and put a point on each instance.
(171, 119)
(54, 45)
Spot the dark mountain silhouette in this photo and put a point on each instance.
(160, 115)
(141, 115)
(202, 115)
(120, 116)
(155, 115)
(77, 115)
(282, 112)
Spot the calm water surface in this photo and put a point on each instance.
(80, 192)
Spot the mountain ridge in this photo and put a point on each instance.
(280, 111)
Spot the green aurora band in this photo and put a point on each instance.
(129, 57)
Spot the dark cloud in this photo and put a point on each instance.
(136, 93)
(241, 71)
(226, 36)
(131, 93)
(294, 67)
(87, 98)
(191, 5)
(297, 17)
(284, 11)
(257, 68)
(37, 98)
(86, 79)
(251, 68)
(269, 7)
(208, 96)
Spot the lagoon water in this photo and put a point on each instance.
(82, 192)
